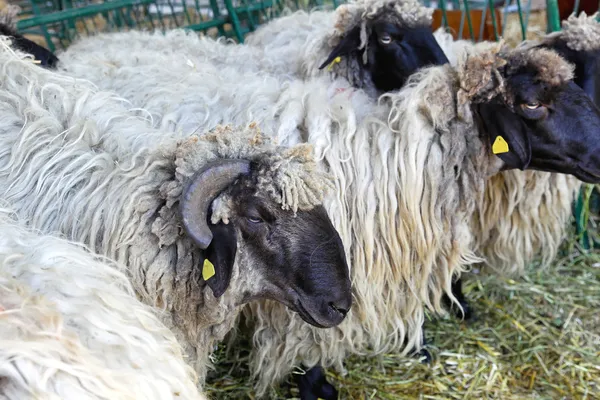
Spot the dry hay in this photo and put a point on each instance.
(533, 337)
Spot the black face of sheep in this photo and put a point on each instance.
(393, 53)
(549, 128)
(46, 57)
(587, 67)
(297, 260)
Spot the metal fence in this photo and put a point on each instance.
(59, 22)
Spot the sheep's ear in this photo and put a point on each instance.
(590, 81)
(347, 45)
(220, 256)
(507, 133)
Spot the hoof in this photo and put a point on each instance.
(468, 312)
(425, 356)
(313, 385)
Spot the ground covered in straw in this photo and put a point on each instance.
(537, 336)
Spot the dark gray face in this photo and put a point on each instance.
(554, 129)
(300, 256)
(297, 260)
(394, 53)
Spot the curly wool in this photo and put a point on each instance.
(74, 160)
(393, 163)
(288, 175)
(408, 13)
(524, 214)
(484, 80)
(351, 136)
(72, 328)
(401, 264)
(289, 47)
(579, 33)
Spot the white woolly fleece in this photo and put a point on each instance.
(74, 160)
(387, 160)
(72, 328)
(394, 161)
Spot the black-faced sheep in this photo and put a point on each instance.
(74, 160)
(524, 213)
(450, 116)
(380, 44)
(72, 328)
(410, 172)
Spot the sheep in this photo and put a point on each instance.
(476, 83)
(74, 160)
(524, 213)
(373, 66)
(394, 164)
(375, 44)
(72, 328)
(8, 27)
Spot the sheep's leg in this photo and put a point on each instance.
(458, 293)
(313, 385)
(424, 352)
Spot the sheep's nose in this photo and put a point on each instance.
(341, 304)
(339, 309)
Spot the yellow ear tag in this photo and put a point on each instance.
(208, 270)
(500, 145)
(335, 61)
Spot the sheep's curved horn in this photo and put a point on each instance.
(205, 186)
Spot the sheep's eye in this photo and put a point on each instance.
(532, 105)
(385, 39)
(254, 220)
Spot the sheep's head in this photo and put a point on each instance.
(258, 207)
(579, 43)
(386, 40)
(534, 115)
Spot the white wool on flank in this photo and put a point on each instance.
(290, 47)
(72, 328)
(75, 160)
(395, 162)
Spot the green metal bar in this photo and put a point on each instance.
(235, 21)
(553, 17)
(528, 13)
(493, 15)
(216, 14)
(523, 34)
(148, 16)
(173, 15)
(36, 12)
(133, 13)
(576, 8)
(207, 24)
(159, 15)
(482, 23)
(76, 12)
(442, 6)
(253, 7)
(469, 22)
(185, 12)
